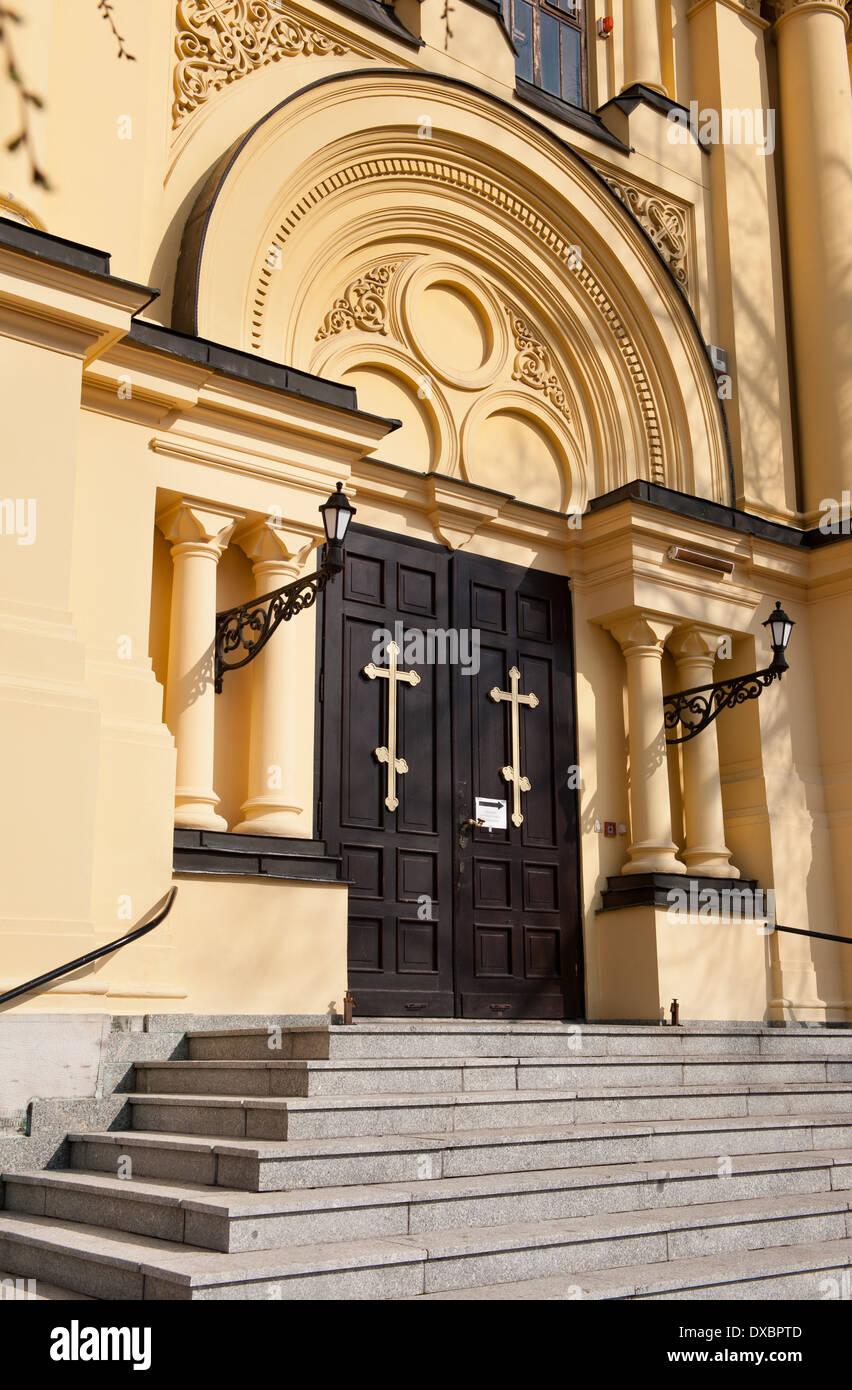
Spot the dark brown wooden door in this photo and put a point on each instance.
(518, 949)
(398, 861)
(446, 918)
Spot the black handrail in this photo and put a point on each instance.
(161, 909)
(823, 935)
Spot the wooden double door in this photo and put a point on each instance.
(447, 917)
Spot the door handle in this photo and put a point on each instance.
(465, 828)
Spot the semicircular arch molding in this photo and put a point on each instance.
(502, 198)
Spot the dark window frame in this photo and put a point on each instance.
(574, 19)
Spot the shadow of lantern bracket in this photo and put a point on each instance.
(696, 708)
(243, 632)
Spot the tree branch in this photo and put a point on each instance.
(27, 100)
(106, 13)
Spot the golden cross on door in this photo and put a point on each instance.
(388, 754)
(513, 774)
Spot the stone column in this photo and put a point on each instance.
(642, 61)
(694, 650)
(642, 639)
(278, 690)
(816, 131)
(199, 532)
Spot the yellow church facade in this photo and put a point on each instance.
(562, 296)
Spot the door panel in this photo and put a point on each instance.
(446, 918)
(517, 932)
(399, 862)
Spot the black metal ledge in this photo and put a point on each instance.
(573, 116)
(58, 250)
(639, 94)
(380, 16)
(652, 890)
(714, 514)
(247, 366)
(208, 852)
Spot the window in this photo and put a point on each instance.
(549, 38)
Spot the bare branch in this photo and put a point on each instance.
(23, 138)
(106, 13)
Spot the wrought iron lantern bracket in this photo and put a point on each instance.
(704, 702)
(699, 706)
(243, 632)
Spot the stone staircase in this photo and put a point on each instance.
(396, 1160)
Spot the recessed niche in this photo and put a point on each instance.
(511, 452)
(455, 323)
(382, 392)
(454, 333)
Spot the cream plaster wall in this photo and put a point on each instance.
(83, 611)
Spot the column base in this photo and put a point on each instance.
(262, 820)
(710, 863)
(197, 813)
(650, 858)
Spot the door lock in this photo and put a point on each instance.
(465, 828)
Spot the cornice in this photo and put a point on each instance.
(62, 308)
(746, 9)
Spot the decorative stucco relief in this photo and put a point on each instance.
(534, 365)
(666, 222)
(782, 7)
(219, 41)
(362, 305)
(476, 185)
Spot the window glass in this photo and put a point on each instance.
(572, 73)
(522, 36)
(550, 52)
(549, 39)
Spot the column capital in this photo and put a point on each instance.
(786, 9)
(640, 632)
(268, 541)
(694, 643)
(191, 520)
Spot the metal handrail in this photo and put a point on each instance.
(161, 909)
(823, 935)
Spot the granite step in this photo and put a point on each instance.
(106, 1263)
(264, 1165)
(16, 1289)
(340, 1116)
(433, 1075)
(370, 1040)
(236, 1221)
(806, 1273)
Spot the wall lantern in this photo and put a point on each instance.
(244, 631)
(698, 707)
(337, 513)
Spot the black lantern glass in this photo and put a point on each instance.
(780, 627)
(337, 513)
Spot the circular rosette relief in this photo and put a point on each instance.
(454, 323)
(512, 445)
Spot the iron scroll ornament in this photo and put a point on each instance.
(247, 628)
(705, 702)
